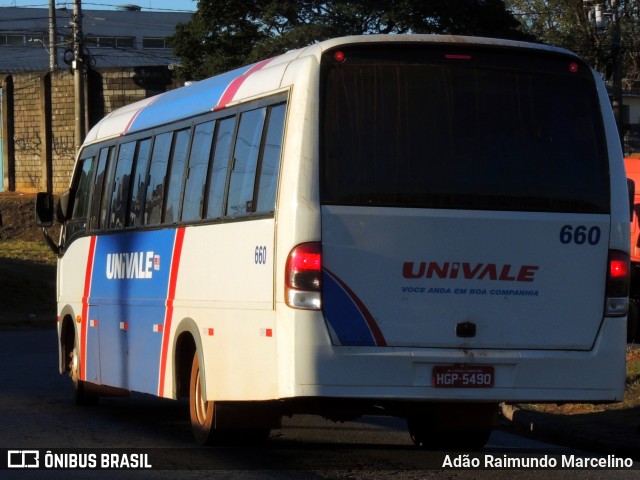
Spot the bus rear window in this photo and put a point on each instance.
(461, 127)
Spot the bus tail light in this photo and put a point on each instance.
(617, 298)
(303, 277)
(339, 56)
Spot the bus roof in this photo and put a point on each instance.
(224, 90)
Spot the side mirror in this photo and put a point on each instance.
(44, 218)
(631, 185)
(44, 210)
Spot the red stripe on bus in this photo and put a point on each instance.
(235, 85)
(135, 115)
(166, 330)
(85, 310)
(131, 120)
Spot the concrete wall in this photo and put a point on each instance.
(27, 140)
(39, 125)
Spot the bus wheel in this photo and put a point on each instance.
(424, 435)
(200, 410)
(235, 424)
(81, 396)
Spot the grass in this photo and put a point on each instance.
(22, 250)
(633, 367)
(27, 283)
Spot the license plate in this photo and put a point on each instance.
(462, 377)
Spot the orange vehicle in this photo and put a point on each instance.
(632, 166)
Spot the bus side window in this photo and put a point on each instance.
(270, 161)
(139, 183)
(176, 177)
(220, 162)
(81, 197)
(197, 172)
(96, 196)
(122, 178)
(245, 160)
(156, 179)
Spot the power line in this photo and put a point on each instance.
(116, 7)
(145, 9)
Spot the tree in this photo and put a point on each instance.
(225, 34)
(630, 32)
(572, 24)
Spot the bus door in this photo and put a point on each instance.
(130, 285)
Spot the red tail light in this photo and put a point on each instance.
(339, 56)
(303, 276)
(618, 269)
(617, 301)
(457, 56)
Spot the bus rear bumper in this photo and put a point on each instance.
(385, 373)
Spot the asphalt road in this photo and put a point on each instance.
(36, 413)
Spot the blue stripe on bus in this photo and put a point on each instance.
(342, 313)
(195, 99)
(130, 284)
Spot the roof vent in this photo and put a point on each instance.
(129, 7)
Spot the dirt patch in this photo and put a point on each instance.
(18, 217)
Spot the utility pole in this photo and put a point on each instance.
(606, 16)
(77, 66)
(616, 50)
(53, 49)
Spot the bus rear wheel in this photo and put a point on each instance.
(200, 410)
(424, 436)
(215, 423)
(453, 426)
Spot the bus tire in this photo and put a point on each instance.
(453, 427)
(424, 436)
(81, 395)
(226, 423)
(200, 410)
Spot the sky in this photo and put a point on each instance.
(147, 5)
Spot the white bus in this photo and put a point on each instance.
(416, 226)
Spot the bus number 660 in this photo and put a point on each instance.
(580, 235)
(261, 255)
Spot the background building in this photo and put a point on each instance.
(126, 56)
